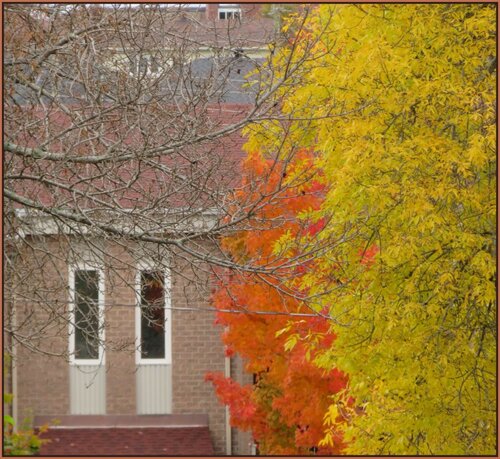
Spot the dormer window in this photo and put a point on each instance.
(229, 11)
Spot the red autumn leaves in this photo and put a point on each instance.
(284, 408)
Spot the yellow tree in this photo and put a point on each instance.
(400, 101)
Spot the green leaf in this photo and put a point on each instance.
(7, 419)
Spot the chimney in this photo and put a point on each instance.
(211, 11)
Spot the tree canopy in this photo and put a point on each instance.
(284, 407)
(398, 103)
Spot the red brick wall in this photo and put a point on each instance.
(42, 385)
(196, 349)
(211, 11)
(42, 379)
(251, 10)
(120, 333)
(43, 382)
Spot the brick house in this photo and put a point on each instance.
(137, 385)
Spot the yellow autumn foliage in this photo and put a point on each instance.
(399, 101)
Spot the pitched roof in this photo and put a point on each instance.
(142, 435)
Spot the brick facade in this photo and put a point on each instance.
(43, 381)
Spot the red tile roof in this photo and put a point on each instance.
(128, 435)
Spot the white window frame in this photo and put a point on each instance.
(231, 9)
(72, 305)
(148, 73)
(167, 360)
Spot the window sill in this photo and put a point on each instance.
(153, 362)
(83, 363)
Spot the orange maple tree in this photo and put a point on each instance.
(285, 407)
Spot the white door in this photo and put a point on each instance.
(86, 340)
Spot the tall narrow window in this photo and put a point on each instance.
(86, 321)
(152, 315)
(86, 315)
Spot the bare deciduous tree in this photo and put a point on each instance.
(122, 143)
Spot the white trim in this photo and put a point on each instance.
(35, 222)
(149, 266)
(138, 426)
(85, 266)
(229, 442)
(225, 7)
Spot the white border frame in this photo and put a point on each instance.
(85, 266)
(167, 360)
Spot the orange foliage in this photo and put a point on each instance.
(284, 409)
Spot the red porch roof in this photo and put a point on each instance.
(147, 435)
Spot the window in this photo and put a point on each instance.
(229, 11)
(144, 64)
(86, 334)
(153, 317)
